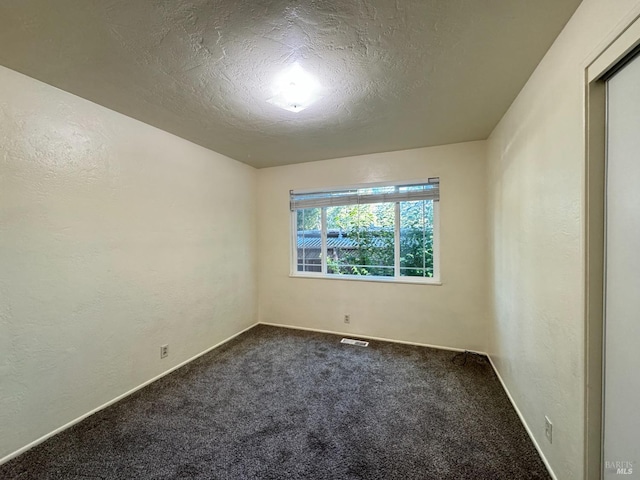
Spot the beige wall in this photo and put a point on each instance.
(115, 238)
(125, 237)
(453, 314)
(536, 164)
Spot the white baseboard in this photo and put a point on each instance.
(523, 421)
(439, 347)
(369, 337)
(117, 399)
(349, 334)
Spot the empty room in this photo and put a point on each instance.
(358, 239)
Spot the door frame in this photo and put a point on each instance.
(611, 52)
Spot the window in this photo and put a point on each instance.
(368, 232)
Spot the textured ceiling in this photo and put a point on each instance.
(398, 74)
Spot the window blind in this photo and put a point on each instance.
(363, 195)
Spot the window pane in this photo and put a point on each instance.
(309, 241)
(416, 238)
(360, 239)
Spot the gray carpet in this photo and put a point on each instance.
(284, 404)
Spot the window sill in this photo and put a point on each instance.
(360, 278)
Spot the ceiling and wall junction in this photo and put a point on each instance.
(399, 74)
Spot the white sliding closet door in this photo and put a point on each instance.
(622, 297)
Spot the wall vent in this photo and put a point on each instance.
(351, 341)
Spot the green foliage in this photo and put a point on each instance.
(308, 219)
(416, 252)
(371, 228)
(416, 239)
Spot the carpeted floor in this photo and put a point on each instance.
(282, 404)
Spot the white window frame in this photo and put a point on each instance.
(293, 267)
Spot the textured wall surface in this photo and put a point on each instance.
(115, 238)
(453, 314)
(536, 216)
(398, 74)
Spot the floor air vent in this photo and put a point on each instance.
(351, 341)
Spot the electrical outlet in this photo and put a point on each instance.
(164, 351)
(548, 429)
(347, 319)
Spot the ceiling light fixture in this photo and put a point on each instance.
(295, 89)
